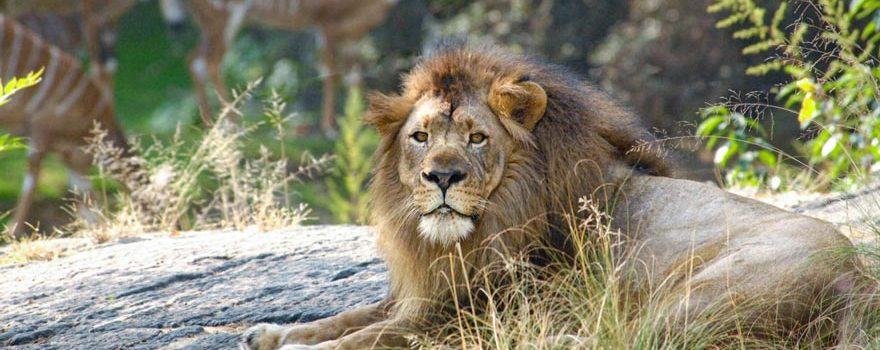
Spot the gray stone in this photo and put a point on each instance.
(194, 291)
(201, 290)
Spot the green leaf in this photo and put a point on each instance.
(767, 157)
(709, 125)
(855, 4)
(8, 143)
(723, 153)
(15, 84)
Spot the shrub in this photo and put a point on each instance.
(206, 183)
(828, 50)
(347, 184)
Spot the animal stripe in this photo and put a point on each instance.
(65, 87)
(65, 84)
(2, 36)
(47, 83)
(100, 106)
(77, 92)
(57, 115)
(13, 53)
(33, 55)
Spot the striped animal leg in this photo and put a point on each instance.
(29, 185)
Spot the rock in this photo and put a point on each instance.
(857, 214)
(193, 291)
(201, 290)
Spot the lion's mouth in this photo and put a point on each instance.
(445, 209)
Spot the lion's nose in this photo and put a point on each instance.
(444, 179)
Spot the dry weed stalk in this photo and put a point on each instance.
(206, 184)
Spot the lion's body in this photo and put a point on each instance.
(583, 140)
(708, 250)
(552, 140)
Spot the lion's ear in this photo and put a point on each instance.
(525, 102)
(386, 112)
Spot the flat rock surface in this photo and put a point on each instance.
(857, 214)
(201, 290)
(192, 291)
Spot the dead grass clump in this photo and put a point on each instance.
(36, 248)
(208, 183)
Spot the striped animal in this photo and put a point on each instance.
(56, 115)
(62, 30)
(337, 22)
(69, 23)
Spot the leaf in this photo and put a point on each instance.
(723, 154)
(14, 84)
(806, 85)
(855, 4)
(809, 107)
(767, 157)
(709, 125)
(829, 146)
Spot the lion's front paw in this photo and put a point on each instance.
(263, 336)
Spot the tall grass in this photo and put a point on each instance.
(592, 304)
(206, 183)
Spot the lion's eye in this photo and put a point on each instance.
(420, 136)
(477, 138)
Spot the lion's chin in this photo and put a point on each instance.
(445, 228)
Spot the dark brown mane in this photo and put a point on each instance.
(582, 143)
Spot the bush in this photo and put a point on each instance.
(828, 50)
(206, 183)
(347, 184)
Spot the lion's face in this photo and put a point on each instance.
(451, 146)
(452, 161)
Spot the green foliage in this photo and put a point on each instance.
(828, 50)
(740, 145)
(14, 85)
(347, 196)
(10, 143)
(17, 84)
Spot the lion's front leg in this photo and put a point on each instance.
(271, 337)
(385, 334)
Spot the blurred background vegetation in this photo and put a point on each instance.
(667, 59)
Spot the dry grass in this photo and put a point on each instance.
(206, 184)
(31, 249)
(590, 306)
(185, 184)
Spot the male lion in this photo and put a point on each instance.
(482, 154)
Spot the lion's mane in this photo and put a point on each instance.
(582, 141)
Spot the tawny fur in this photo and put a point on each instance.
(575, 149)
(562, 139)
(553, 140)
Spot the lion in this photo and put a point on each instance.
(482, 154)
